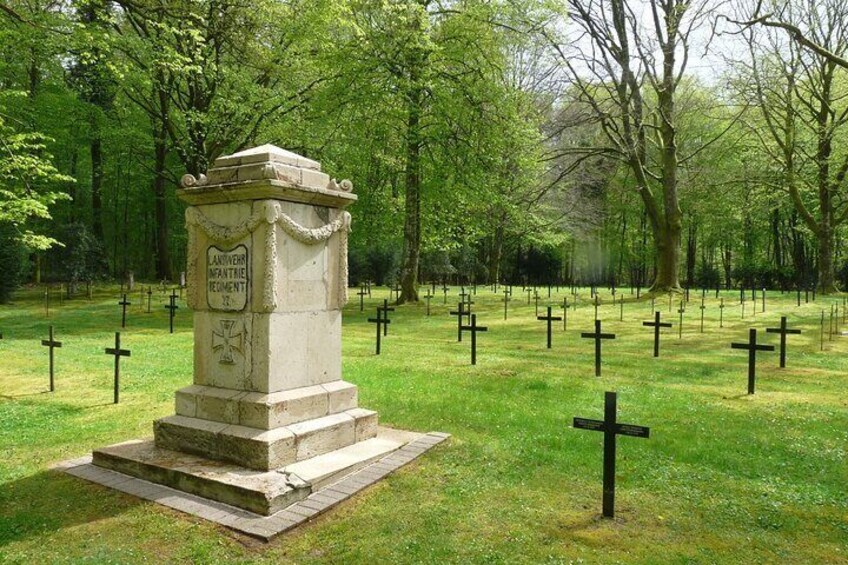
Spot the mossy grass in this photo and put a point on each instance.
(725, 477)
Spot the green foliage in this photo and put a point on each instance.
(82, 257)
(13, 258)
(28, 178)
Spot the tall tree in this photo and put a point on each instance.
(627, 69)
(801, 97)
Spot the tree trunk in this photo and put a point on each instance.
(691, 253)
(827, 280)
(96, 183)
(412, 206)
(163, 258)
(495, 258)
(668, 262)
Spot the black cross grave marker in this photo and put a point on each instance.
(460, 314)
(536, 298)
(363, 292)
(611, 428)
(764, 299)
(396, 289)
(721, 314)
(752, 346)
(473, 328)
(565, 313)
(529, 292)
(597, 336)
(381, 324)
(51, 344)
(123, 304)
(702, 307)
(149, 297)
(549, 319)
(506, 294)
(118, 353)
(172, 309)
(445, 291)
(386, 309)
(428, 297)
(597, 303)
(657, 325)
(783, 331)
(681, 311)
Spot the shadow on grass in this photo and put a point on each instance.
(50, 501)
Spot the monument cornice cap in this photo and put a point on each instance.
(264, 172)
(266, 154)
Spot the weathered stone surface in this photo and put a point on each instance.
(265, 411)
(257, 491)
(267, 278)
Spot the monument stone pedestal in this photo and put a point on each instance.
(268, 419)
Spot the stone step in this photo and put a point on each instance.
(262, 492)
(265, 449)
(265, 411)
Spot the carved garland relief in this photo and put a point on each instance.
(271, 214)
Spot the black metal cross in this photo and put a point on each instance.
(536, 299)
(621, 315)
(428, 297)
(764, 299)
(721, 314)
(124, 303)
(752, 346)
(445, 290)
(783, 331)
(657, 325)
(506, 294)
(703, 307)
(118, 353)
(149, 296)
(460, 314)
(597, 303)
(381, 324)
(172, 309)
(597, 336)
(611, 428)
(473, 328)
(565, 313)
(396, 289)
(529, 292)
(363, 292)
(51, 344)
(549, 319)
(386, 309)
(680, 311)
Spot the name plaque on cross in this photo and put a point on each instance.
(226, 278)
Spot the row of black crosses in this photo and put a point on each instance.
(51, 344)
(171, 307)
(598, 335)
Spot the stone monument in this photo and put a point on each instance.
(268, 419)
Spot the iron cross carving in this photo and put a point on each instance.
(227, 340)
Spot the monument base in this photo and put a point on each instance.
(260, 492)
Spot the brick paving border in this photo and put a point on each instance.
(256, 525)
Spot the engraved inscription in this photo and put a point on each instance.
(226, 278)
(227, 340)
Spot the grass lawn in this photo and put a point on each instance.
(724, 478)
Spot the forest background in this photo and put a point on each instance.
(660, 143)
